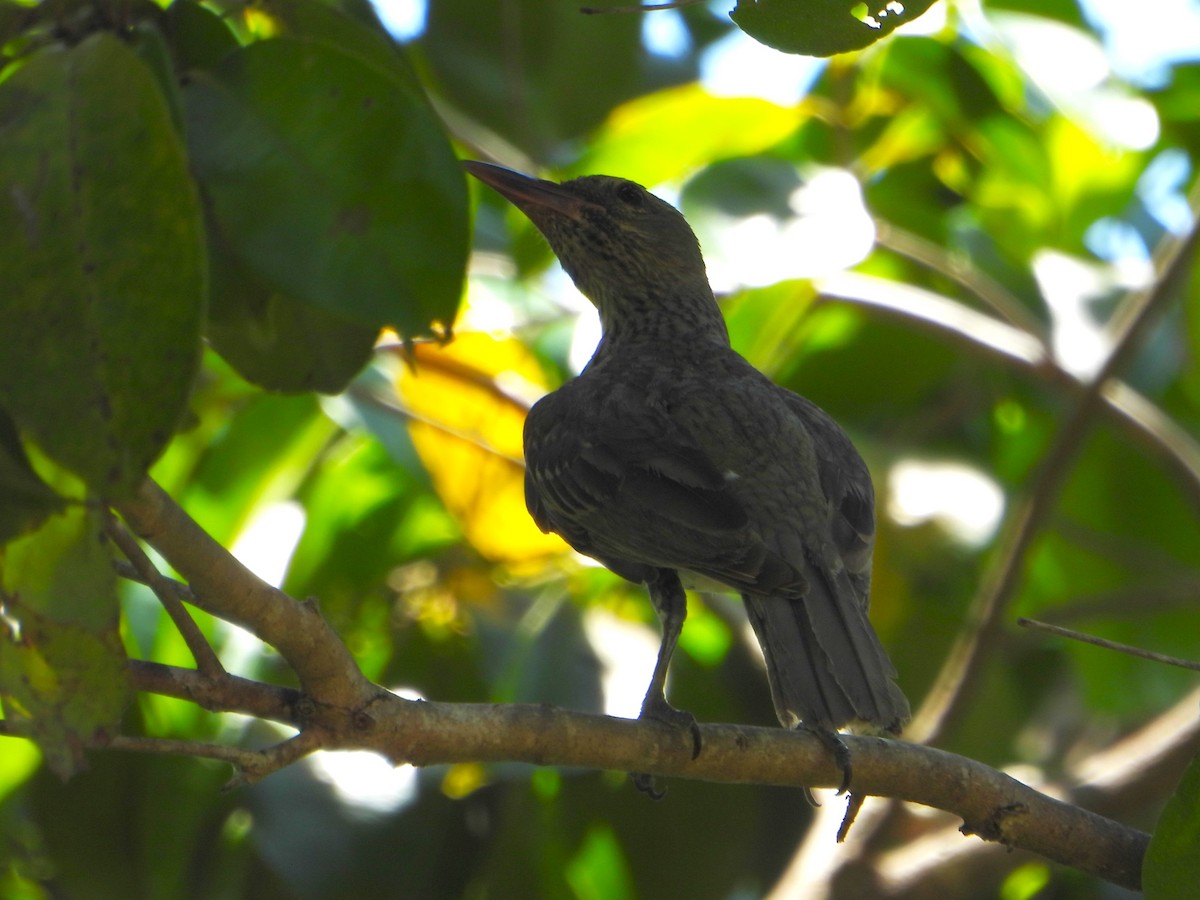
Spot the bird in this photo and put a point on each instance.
(676, 464)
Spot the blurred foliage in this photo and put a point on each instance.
(1172, 867)
(1005, 160)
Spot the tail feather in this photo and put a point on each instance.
(824, 661)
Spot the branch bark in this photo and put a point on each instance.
(992, 805)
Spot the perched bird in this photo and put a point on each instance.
(674, 462)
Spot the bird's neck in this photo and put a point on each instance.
(648, 320)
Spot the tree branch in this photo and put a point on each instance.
(992, 805)
(225, 588)
(1133, 773)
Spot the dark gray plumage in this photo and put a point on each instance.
(672, 461)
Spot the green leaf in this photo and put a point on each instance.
(62, 668)
(823, 27)
(278, 342)
(332, 183)
(319, 21)
(25, 500)
(537, 73)
(151, 47)
(199, 37)
(1172, 867)
(103, 267)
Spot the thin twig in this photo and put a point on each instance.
(250, 765)
(227, 693)
(129, 573)
(854, 804)
(649, 7)
(238, 757)
(279, 756)
(1109, 645)
(1127, 601)
(390, 405)
(163, 588)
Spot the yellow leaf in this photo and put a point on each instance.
(468, 402)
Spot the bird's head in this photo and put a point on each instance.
(629, 252)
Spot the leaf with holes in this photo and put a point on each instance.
(823, 27)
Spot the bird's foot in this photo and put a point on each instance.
(656, 708)
(645, 785)
(841, 754)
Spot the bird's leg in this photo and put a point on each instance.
(670, 602)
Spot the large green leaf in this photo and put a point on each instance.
(103, 262)
(537, 73)
(823, 27)
(278, 342)
(329, 23)
(198, 37)
(332, 182)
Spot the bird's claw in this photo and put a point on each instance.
(841, 755)
(645, 785)
(659, 710)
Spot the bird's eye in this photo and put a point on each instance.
(630, 194)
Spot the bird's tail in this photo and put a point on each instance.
(824, 661)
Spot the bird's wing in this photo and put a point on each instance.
(643, 494)
(575, 469)
(846, 484)
(825, 662)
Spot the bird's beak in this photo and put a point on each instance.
(530, 195)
